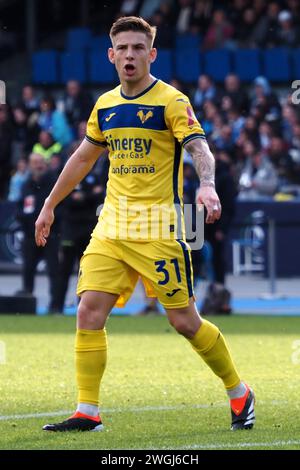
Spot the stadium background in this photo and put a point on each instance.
(237, 61)
(160, 380)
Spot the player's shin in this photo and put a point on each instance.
(90, 355)
(210, 344)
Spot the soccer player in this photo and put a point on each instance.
(145, 124)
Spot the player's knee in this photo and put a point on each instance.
(183, 326)
(88, 317)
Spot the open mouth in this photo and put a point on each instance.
(129, 68)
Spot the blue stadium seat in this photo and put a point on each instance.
(247, 64)
(277, 64)
(78, 39)
(100, 43)
(45, 67)
(217, 64)
(163, 66)
(187, 41)
(73, 66)
(100, 70)
(187, 65)
(296, 64)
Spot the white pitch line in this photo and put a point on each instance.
(246, 445)
(134, 410)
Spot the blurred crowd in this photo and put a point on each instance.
(235, 23)
(253, 131)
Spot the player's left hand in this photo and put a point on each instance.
(207, 195)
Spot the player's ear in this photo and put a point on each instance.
(153, 55)
(111, 55)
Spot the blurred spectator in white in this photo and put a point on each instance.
(265, 134)
(77, 104)
(54, 121)
(287, 34)
(46, 146)
(219, 32)
(17, 181)
(184, 16)
(258, 177)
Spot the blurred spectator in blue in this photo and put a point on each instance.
(225, 140)
(210, 112)
(54, 121)
(17, 181)
(148, 7)
(29, 101)
(6, 141)
(287, 33)
(289, 119)
(219, 32)
(258, 177)
(236, 122)
(264, 103)
(206, 91)
(77, 104)
(129, 7)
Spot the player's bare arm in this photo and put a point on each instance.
(77, 167)
(205, 167)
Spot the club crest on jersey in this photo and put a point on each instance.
(144, 117)
(191, 116)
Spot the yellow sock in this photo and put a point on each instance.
(210, 344)
(90, 359)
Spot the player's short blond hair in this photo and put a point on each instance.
(133, 23)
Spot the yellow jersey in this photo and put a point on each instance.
(145, 136)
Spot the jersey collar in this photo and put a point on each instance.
(140, 94)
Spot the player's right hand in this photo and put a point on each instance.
(43, 225)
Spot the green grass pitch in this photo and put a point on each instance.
(156, 392)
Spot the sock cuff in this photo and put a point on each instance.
(206, 337)
(90, 340)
